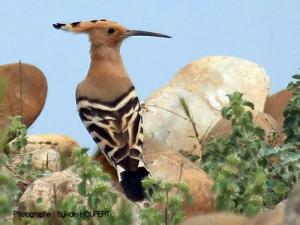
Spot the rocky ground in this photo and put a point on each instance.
(204, 84)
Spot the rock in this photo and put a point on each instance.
(49, 151)
(60, 143)
(57, 186)
(276, 104)
(292, 212)
(26, 91)
(203, 84)
(271, 217)
(166, 122)
(217, 219)
(166, 164)
(46, 159)
(41, 159)
(60, 183)
(223, 127)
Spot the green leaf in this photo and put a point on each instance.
(296, 76)
(260, 178)
(185, 107)
(148, 182)
(82, 187)
(249, 104)
(281, 189)
(183, 187)
(39, 200)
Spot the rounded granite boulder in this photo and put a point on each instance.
(203, 84)
(25, 92)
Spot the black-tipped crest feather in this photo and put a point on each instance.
(58, 25)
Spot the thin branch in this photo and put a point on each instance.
(173, 112)
(205, 133)
(181, 169)
(55, 195)
(186, 110)
(196, 131)
(166, 208)
(170, 111)
(47, 161)
(21, 88)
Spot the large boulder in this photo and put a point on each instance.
(25, 92)
(276, 104)
(203, 84)
(166, 164)
(55, 186)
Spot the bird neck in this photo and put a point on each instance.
(106, 61)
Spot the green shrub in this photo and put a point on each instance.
(233, 162)
(8, 188)
(292, 113)
(249, 173)
(166, 203)
(246, 178)
(96, 188)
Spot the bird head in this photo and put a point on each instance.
(104, 32)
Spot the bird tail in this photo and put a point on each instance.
(131, 181)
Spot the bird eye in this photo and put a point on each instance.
(111, 30)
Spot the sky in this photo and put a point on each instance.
(266, 32)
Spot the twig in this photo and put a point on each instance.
(166, 208)
(47, 162)
(55, 195)
(187, 112)
(168, 110)
(181, 169)
(205, 133)
(195, 131)
(174, 113)
(21, 89)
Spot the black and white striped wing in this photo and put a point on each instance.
(116, 127)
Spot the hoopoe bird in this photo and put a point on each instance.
(108, 104)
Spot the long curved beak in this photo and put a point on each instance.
(145, 33)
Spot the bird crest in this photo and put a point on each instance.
(85, 26)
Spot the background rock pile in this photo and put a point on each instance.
(204, 85)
